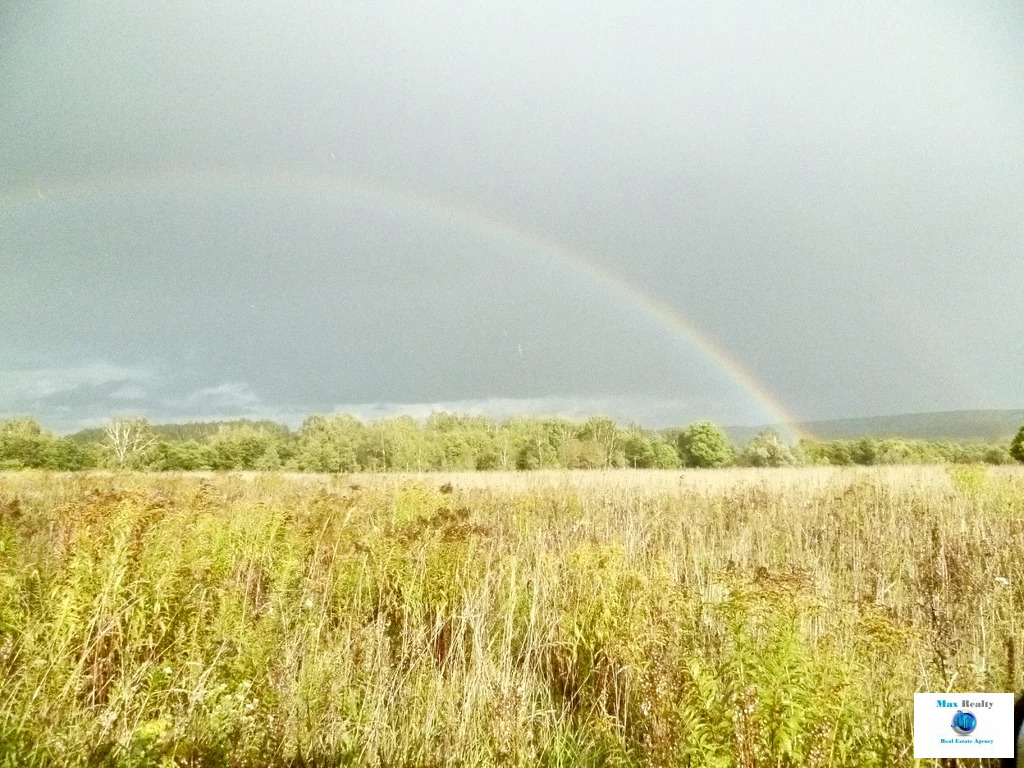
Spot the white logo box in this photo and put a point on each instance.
(936, 736)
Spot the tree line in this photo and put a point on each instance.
(444, 441)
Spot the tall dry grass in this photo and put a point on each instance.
(734, 618)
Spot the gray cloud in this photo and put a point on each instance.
(832, 192)
(652, 412)
(230, 394)
(128, 392)
(24, 388)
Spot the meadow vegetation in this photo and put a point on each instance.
(718, 618)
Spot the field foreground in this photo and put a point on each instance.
(734, 618)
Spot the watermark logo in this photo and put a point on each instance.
(964, 723)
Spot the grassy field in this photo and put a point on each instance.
(722, 618)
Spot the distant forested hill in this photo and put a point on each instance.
(987, 426)
(982, 426)
(195, 430)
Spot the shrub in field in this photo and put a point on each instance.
(1017, 446)
(968, 479)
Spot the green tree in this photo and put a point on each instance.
(583, 454)
(329, 444)
(68, 456)
(705, 445)
(398, 443)
(502, 453)
(1017, 446)
(997, 454)
(603, 435)
(864, 451)
(179, 456)
(895, 451)
(638, 448)
(23, 444)
(536, 453)
(768, 450)
(665, 454)
(457, 452)
(831, 452)
(243, 447)
(129, 439)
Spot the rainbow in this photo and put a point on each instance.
(458, 213)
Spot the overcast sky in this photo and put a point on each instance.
(832, 191)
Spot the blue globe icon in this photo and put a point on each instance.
(964, 722)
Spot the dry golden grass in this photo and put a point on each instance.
(723, 618)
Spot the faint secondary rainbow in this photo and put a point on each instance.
(329, 186)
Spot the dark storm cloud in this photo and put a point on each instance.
(37, 386)
(833, 192)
